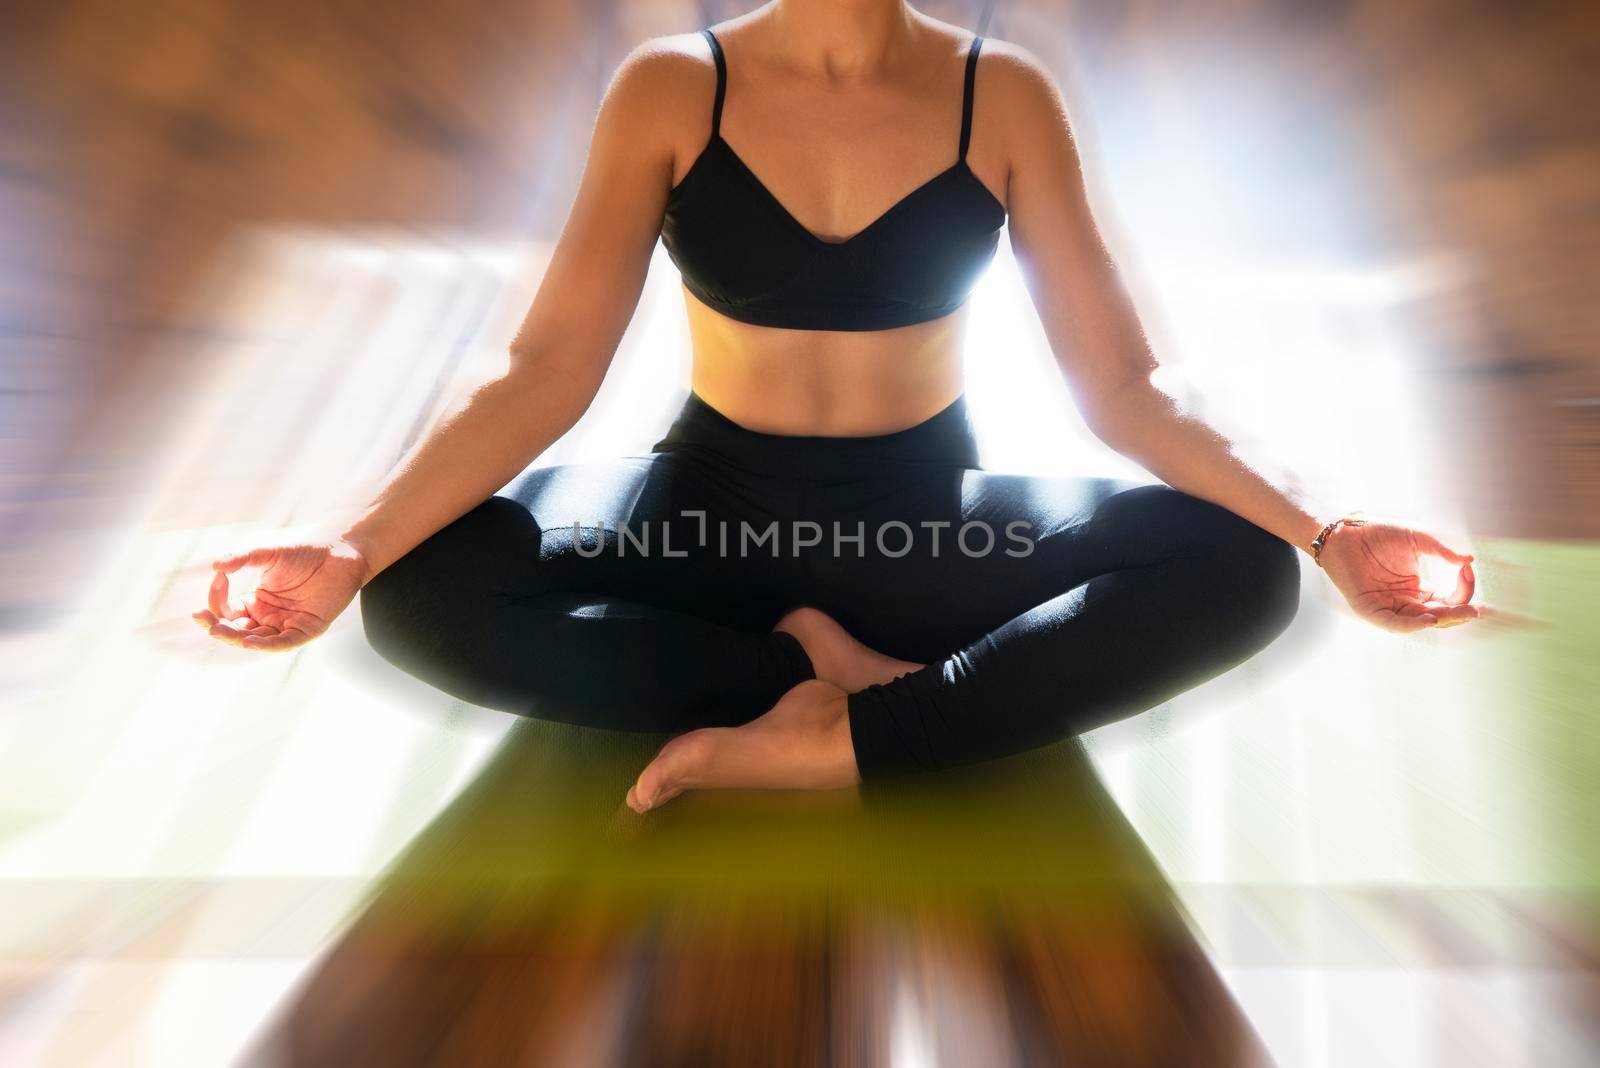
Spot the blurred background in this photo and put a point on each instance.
(249, 253)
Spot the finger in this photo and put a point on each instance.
(234, 561)
(1392, 619)
(204, 618)
(253, 558)
(240, 625)
(288, 639)
(217, 597)
(1455, 614)
(224, 633)
(1466, 582)
(1439, 548)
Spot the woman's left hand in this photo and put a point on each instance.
(1376, 566)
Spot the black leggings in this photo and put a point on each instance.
(639, 593)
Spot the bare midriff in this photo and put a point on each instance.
(824, 382)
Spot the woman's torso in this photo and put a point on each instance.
(835, 153)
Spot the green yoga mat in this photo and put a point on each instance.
(1003, 914)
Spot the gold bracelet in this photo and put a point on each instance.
(1321, 539)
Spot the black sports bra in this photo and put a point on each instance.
(741, 252)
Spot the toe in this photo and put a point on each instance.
(673, 770)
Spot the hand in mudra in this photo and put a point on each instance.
(1377, 567)
(302, 589)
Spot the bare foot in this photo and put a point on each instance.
(801, 743)
(837, 657)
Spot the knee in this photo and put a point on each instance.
(1251, 569)
(1272, 568)
(1261, 571)
(448, 577)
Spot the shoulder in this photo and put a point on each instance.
(1020, 82)
(1018, 97)
(662, 72)
(672, 63)
(658, 103)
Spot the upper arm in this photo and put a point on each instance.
(1071, 276)
(596, 272)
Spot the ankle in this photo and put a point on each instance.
(827, 698)
(837, 728)
(804, 625)
(826, 705)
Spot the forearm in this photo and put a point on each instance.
(482, 445)
(1184, 451)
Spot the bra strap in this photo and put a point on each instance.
(722, 80)
(966, 98)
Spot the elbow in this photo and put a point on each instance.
(1119, 415)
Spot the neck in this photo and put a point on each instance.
(843, 37)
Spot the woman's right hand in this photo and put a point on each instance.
(302, 589)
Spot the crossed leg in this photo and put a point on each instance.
(1129, 595)
(507, 608)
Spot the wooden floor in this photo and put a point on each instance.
(1003, 917)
